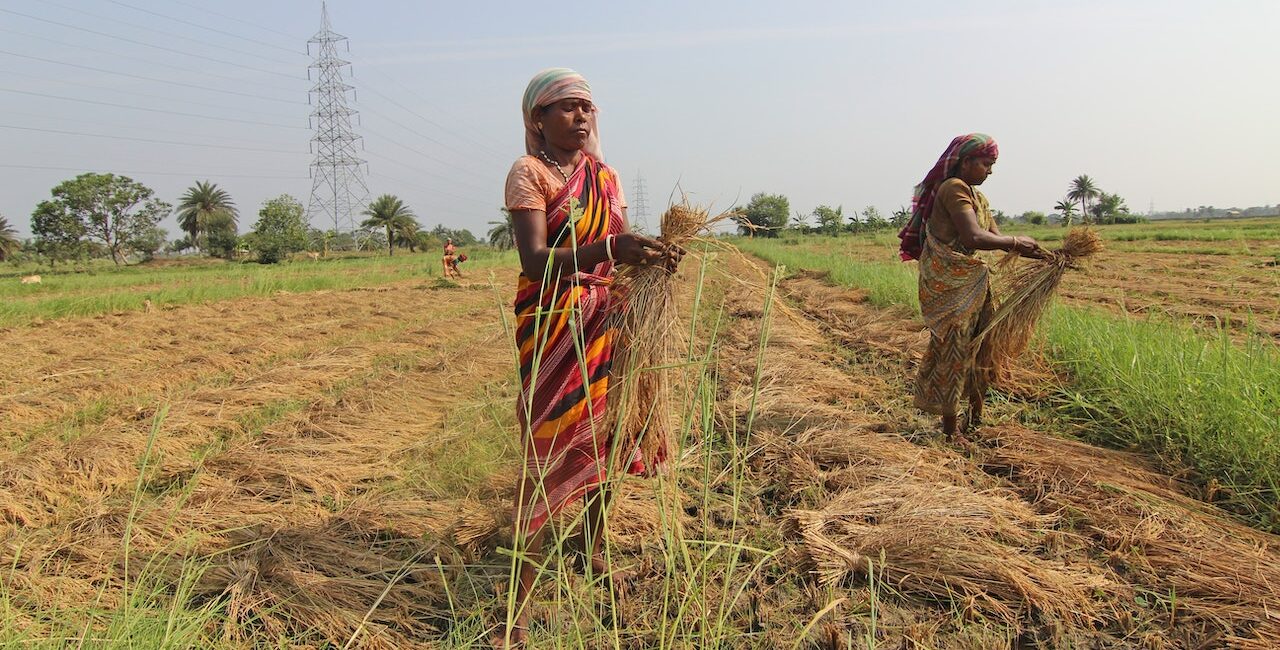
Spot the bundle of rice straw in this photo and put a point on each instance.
(1028, 290)
(640, 394)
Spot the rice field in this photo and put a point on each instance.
(332, 464)
(1193, 388)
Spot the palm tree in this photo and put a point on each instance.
(9, 243)
(503, 234)
(1083, 190)
(406, 234)
(390, 213)
(199, 206)
(1067, 208)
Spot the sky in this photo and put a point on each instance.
(1170, 104)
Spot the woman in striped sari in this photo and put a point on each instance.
(569, 217)
(950, 221)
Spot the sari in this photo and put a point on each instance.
(565, 335)
(955, 304)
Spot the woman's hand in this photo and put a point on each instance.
(1028, 247)
(638, 250)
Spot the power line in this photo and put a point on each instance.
(148, 140)
(162, 32)
(433, 123)
(205, 173)
(136, 94)
(413, 94)
(149, 110)
(206, 27)
(430, 193)
(233, 18)
(81, 46)
(427, 173)
(417, 152)
(145, 44)
(153, 79)
(110, 125)
(411, 150)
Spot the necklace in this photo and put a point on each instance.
(554, 164)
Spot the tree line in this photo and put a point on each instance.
(112, 216)
(768, 215)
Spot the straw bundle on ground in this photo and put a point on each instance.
(1027, 293)
(640, 399)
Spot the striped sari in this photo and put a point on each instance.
(565, 339)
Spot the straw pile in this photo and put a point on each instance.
(640, 400)
(1028, 291)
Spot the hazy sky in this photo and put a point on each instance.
(842, 103)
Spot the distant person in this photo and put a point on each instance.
(566, 447)
(950, 220)
(450, 259)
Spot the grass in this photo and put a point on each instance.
(1197, 400)
(128, 288)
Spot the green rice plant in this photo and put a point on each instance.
(130, 288)
(1202, 403)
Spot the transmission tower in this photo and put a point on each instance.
(338, 190)
(639, 209)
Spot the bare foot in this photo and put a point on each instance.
(515, 637)
(617, 580)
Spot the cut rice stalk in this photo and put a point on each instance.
(640, 397)
(1028, 292)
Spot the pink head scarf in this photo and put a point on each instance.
(546, 88)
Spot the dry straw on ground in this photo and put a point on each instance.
(1028, 291)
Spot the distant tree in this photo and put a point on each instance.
(406, 234)
(59, 236)
(1067, 209)
(502, 235)
(9, 242)
(148, 242)
(1108, 207)
(206, 208)
(829, 219)
(221, 236)
(280, 230)
(872, 219)
(460, 236)
(110, 209)
(1083, 190)
(178, 245)
(1034, 218)
(901, 217)
(1000, 217)
(389, 213)
(428, 241)
(766, 214)
(799, 222)
(321, 241)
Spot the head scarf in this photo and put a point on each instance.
(961, 147)
(546, 88)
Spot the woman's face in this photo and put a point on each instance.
(566, 124)
(975, 169)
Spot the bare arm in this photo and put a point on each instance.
(535, 256)
(975, 237)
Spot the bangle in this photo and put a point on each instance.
(608, 247)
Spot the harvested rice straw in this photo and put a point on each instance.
(1028, 292)
(640, 397)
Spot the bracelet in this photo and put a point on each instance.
(608, 247)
